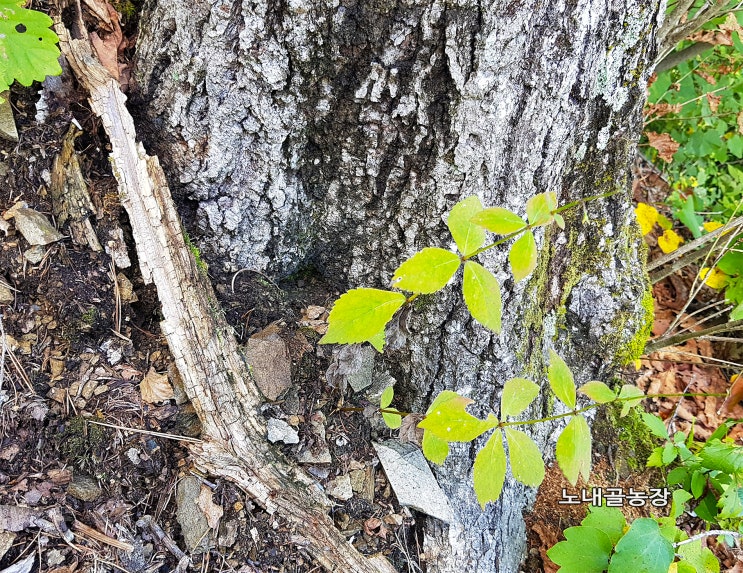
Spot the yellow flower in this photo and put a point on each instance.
(646, 217)
(711, 226)
(669, 241)
(715, 279)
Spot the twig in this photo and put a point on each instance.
(709, 533)
(102, 537)
(148, 432)
(735, 325)
(232, 285)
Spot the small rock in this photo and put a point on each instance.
(115, 247)
(6, 542)
(394, 519)
(54, 557)
(358, 478)
(228, 531)
(7, 121)
(192, 520)
(133, 455)
(126, 288)
(340, 488)
(34, 254)
(280, 431)
(57, 394)
(35, 227)
(6, 295)
(318, 453)
(84, 488)
(412, 480)
(352, 364)
(270, 363)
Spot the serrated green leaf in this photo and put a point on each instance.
(700, 558)
(527, 465)
(610, 520)
(598, 392)
(451, 422)
(393, 421)
(680, 497)
(727, 458)
(539, 208)
(670, 452)
(523, 256)
(28, 48)
(387, 395)
(698, 484)
(360, 315)
(731, 503)
(434, 448)
(656, 425)
(642, 549)
(518, 393)
(467, 235)
(499, 221)
(561, 380)
(634, 396)
(586, 550)
(427, 271)
(655, 459)
(481, 293)
(573, 450)
(489, 470)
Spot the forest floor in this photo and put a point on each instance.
(82, 347)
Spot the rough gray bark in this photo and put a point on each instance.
(340, 132)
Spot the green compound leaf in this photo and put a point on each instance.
(427, 271)
(523, 256)
(527, 465)
(518, 393)
(656, 425)
(499, 221)
(561, 380)
(449, 421)
(598, 392)
(586, 550)
(481, 293)
(629, 391)
(434, 448)
(642, 549)
(28, 48)
(727, 458)
(539, 208)
(360, 315)
(573, 450)
(489, 470)
(467, 235)
(610, 520)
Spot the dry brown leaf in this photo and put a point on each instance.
(709, 78)
(60, 476)
(156, 388)
(107, 46)
(211, 510)
(735, 395)
(656, 110)
(714, 102)
(665, 145)
(740, 122)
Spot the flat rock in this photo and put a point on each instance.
(34, 254)
(7, 121)
(35, 227)
(190, 517)
(84, 488)
(412, 480)
(352, 364)
(340, 488)
(271, 366)
(318, 452)
(280, 431)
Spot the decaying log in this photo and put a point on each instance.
(215, 375)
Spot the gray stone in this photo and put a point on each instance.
(340, 488)
(318, 453)
(34, 254)
(192, 520)
(352, 364)
(35, 227)
(84, 488)
(270, 363)
(412, 480)
(7, 120)
(280, 431)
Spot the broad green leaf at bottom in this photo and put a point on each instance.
(489, 470)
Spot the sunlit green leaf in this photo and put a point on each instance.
(360, 315)
(727, 458)
(610, 520)
(527, 465)
(573, 450)
(523, 256)
(585, 550)
(598, 392)
(387, 396)
(561, 380)
(518, 393)
(393, 421)
(481, 293)
(451, 422)
(634, 395)
(700, 558)
(642, 549)
(539, 208)
(434, 448)
(467, 235)
(656, 425)
(499, 221)
(427, 271)
(489, 471)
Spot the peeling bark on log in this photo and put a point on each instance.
(342, 131)
(215, 375)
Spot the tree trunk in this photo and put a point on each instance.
(339, 133)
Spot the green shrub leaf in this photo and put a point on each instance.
(629, 391)
(642, 549)
(360, 315)
(539, 208)
(427, 271)
(489, 471)
(610, 520)
(434, 448)
(393, 421)
(598, 392)
(527, 465)
(28, 48)
(467, 235)
(451, 422)
(656, 425)
(518, 393)
(499, 221)
(573, 450)
(701, 559)
(561, 380)
(585, 550)
(387, 396)
(523, 256)
(727, 458)
(481, 293)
